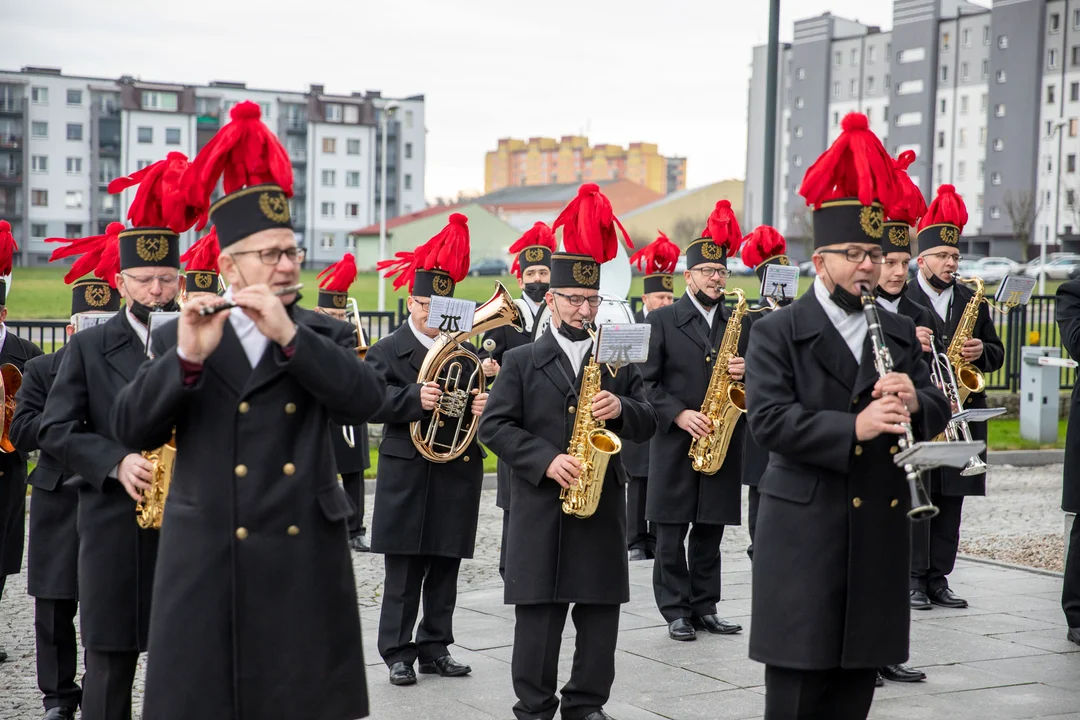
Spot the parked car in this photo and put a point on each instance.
(736, 266)
(806, 269)
(993, 270)
(488, 266)
(1056, 269)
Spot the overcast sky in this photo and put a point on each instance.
(673, 72)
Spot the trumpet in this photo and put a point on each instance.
(941, 374)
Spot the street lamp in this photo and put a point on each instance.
(388, 111)
(1058, 128)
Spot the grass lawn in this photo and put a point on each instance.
(1005, 435)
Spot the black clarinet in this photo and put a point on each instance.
(921, 507)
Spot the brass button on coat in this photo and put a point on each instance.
(293, 530)
(466, 458)
(857, 502)
(858, 449)
(289, 469)
(241, 533)
(290, 408)
(894, 503)
(244, 407)
(571, 409)
(241, 470)
(893, 450)
(855, 400)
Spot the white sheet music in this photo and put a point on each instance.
(623, 344)
(451, 315)
(1015, 290)
(780, 282)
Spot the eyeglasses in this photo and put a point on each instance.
(857, 255)
(579, 300)
(423, 305)
(709, 272)
(272, 256)
(945, 257)
(147, 280)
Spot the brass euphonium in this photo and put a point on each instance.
(10, 382)
(446, 364)
(969, 379)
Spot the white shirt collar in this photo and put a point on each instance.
(140, 329)
(707, 314)
(3, 336)
(851, 327)
(892, 306)
(535, 307)
(424, 340)
(253, 341)
(575, 351)
(940, 300)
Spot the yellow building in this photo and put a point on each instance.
(547, 161)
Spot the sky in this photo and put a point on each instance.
(673, 72)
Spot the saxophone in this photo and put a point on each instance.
(593, 446)
(725, 399)
(969, 379)
(151, 508)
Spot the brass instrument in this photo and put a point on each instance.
(352, 315)
(10, 382)
(592, 445)
(151, 508)
(725, 399)
(921, 506)
(445, 364)
(941, 374)
(969, 379)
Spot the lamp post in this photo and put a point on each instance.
(771, 72)
(388, 111)
(1059, 129)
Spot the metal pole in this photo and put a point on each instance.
(1059, 128)
(771, 72)
(382, 208)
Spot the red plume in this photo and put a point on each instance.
(7, 247)
(948, 207)
(100, 254)
(589, 223)
(203, 255)
(160, 200)
(723, 227)
(765, 242)
(538, 234)
(245, 151)
(909, 205)
(339, 277)
(659, 256)
(856, 165)
(447, 251)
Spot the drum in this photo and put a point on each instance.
(613, 311)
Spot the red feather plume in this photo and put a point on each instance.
(203, 254)
(447, 251)
(659, 256)
(100, 254)
(589, 223)
(723, 227)
(855, 165)
(909, 205)
(7, 248)
(765, 242)
(339, 277)
(948, 207)
(538, 234)
(160, 200)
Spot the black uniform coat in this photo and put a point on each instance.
(255, 611)
(1068, 319)
(421, 507)
(53, 556)
(635, 456)
(832, 547)
(676, 376)
(755, 458)
(948, 481)
(351, 459)
(116, 557)
(552, 557)
(13, 472)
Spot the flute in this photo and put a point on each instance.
(229, 304)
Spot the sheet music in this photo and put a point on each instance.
(780, 282)
(1015, 290)
(623, 344)
(451, 315)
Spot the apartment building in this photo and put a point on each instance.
(63, 138)
(988, 97)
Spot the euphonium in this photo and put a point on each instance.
(969, 379)
(151, 508)
(10, 382)
(725, 399)
(445, 364)
(592, 445)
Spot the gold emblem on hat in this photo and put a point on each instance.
(586, 273)
(534, 254)
(667, 281)
(783, 260)
(152, 249)
(97, 295)
(950, 235)
(711, 251)
(203, 280)
(275, 207)
(899, 237)
(872, 220)
(441, 285)
(340, 301)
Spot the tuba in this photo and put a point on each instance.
(10, 382)
(447, 364)
(969, 379)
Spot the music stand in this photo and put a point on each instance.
(929, 455)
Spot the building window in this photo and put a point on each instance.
(800, 73)
(982, 136)
(995, 212)
(963, 104)
(108, 203)
(1070, 198)
(1076, 19)
(328, 178)
(941, 106)
(350, 242)
(264, 108)
(995, 178)
(961, 170)
(1075, 56)
(1003, 42)
(799, 102)
(999, 110)
(352, 210)
(329, 145)
(39, 129)
(888, 84)
(797, 161)
(74, 165)
(985, 69)
(1001, 76)
(1051, 58)
(798, 131)
(1070, 163)
(146, 135)
(1055, 22)
(1050, 94)
(327, 209)
(941, 138)
(836, 89)
(986, 34)
(333, 113)
(352, 114)
(143, 164)
(871, 55)
(909, 87)
(999, 144)
(853, 88)
(408, 181)
(1074, 125)
(965, 73)
(982, 170)
(965, 37)
(854, 57)
(944, 73)
(945, 41)
(74, 97)
(838, 59)
(39, 163)
(940, 171)
(1074, 92)
(39, 95)
(1049, 164)
(352, 178)
(961, 138)
(39, 230)
(869, 115)
(870, 85)
(326, 241)
(73, 230)
(159, 101)
(172, 136)
(408, 151)
(74, 131)
(352, 147)
(985, 102)
(73, 199)
(908, 119)
(835, 119)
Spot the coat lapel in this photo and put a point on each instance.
(406, 345)
(828, 346)
(916, 295)
(13, 351)
(685, 312)
(229, 361)
(122, 348)
(546, 353)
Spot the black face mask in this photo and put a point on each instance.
(142, 312)
(891, 297)
(939, 284)
(706, 301)
(573, 334)
(535, 291)
(846, 301)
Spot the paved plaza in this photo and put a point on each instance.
(1004, 657)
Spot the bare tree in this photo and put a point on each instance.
(1023, 208)
(686, 230)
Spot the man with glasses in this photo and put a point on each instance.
(683, 347)
(935, 543)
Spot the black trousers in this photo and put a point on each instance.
(934, 544)
(687, 583)
(107, 685)
(354, 488)
(535, 662)
(835, 694)
(408, 578)
(502, 543)
(1070, 592)
(753, 498)
(640, 534)
(57, 652)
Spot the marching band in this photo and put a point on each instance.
(237, 424)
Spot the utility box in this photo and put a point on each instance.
(1039, 388)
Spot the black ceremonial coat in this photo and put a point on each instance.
(351, 459)
(832, 547)
(948, 481)
(676, 376)
(421, 507)
(552, 557)
(116, 557)
(53, 556)
(755, 457)
(635, 456)
(1068, 318)
(255, 611)
(13, 472)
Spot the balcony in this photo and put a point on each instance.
(209, 121)
(297, 155)
(296, 125)
(11, 142)
(10, 176)
(11, 106)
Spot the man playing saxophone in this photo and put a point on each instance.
(962, 322)
(555, 559)
(684, 348)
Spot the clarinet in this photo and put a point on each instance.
(921, 507)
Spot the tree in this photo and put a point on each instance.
(1023, 208)
(686, 230)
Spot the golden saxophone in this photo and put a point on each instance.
(593, 446)
(151, 508)
(969, 379)
(725, 399)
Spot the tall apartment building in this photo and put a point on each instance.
(987, 97)
(63, 138)
(547, 161)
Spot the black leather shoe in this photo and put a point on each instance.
(1073, 636)
(3, 656)
(901, 673)
(880, 681)
(681, 629)
(445, 666)
(598, 715)
(359, 544)
(715, 625)
(60, 713)
(944, 597)
(638, 554)
(919, 600)
(402, 674)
